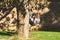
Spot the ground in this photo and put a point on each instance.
(39, 35)
(45, 35)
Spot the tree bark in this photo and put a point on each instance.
(26, 25)
(23, 30)
(21, 26)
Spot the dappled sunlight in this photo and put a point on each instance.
(22, 17)
(44, 11)
(9, 22)
(55, 21)
(35, 28)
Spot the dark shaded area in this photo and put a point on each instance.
(7, 33)
(1, 0)
(47, 18)
(54, 0)
(54, 27)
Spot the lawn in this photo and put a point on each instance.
(45, 35)
(40, 35)
(6, 35)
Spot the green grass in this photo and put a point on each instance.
(6, 35)
(3, 36)
(43, 36)
(40, 35)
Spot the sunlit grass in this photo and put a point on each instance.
(45, 35)
(39, 35)
(42, 36)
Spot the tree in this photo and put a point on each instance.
(22, 16)
(23, 19)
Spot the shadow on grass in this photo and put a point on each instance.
(7, 33)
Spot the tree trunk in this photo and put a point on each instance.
(26, 25)
(20, 29)
(23, 29)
